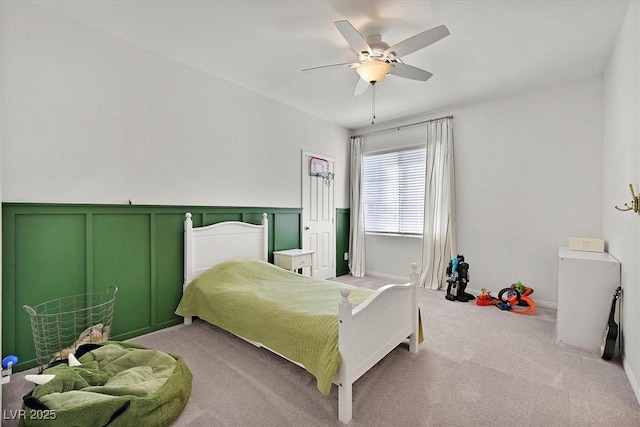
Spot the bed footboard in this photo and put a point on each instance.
(368, 333)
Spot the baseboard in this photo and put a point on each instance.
(631, 378)
(391, 278)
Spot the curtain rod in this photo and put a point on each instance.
(403, 126)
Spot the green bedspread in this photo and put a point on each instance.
(291, 314)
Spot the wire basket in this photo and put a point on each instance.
(62, 325)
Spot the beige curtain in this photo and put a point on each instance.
(356, 227)
(439, 234)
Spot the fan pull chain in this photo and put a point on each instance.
(373, 102)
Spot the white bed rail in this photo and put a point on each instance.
(379, 324)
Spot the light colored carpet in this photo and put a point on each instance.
(478, 366)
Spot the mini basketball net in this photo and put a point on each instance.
(320, 168)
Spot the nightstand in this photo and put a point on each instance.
(294, 259)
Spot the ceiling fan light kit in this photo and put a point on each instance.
(373, 70)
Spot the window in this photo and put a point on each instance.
(393, 191)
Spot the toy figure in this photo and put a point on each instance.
(458, 272)
(484, 297)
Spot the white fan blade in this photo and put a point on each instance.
(73, 361)
(361, 87)
(417, 42)
(345, 64)
(353, 37)
(409, 72)
(39, 379)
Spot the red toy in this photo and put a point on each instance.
(484, 298)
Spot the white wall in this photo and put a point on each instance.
(89, 118)
(528, 172)
(621, 159)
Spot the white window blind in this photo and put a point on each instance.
(393, 191)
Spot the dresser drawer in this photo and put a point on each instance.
(294, 259)
(301, 261)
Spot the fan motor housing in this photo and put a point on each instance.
(377, 46)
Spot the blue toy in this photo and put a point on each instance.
(8, 363)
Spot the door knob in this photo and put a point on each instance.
(306, 228)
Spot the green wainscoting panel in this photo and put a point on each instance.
(54, 250)
(121, 256)
(215, 217)
(197, 219)
(169, 247)
(52, 254)
(287, 228)
(342, 241)
(256, 218)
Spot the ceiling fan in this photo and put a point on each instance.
(377, 59)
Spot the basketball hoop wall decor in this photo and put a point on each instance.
(320, 168)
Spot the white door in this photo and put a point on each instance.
(318, 218)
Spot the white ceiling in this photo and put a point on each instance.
(495, 47)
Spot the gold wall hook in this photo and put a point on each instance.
(627, 208)
(635, 203)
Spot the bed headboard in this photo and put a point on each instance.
(207, 246)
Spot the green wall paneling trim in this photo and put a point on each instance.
(55, 250)
(342, 241)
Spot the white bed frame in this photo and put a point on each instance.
(367, 333)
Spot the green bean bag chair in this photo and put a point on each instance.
(117, 384)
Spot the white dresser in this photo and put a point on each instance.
(586, 284)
